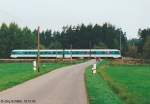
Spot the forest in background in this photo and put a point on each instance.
(105, 36)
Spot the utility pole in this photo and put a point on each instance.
(38, 49)
(56, 53)
(73, 29)
(90, 48)
(71, 52)
(121, 49)
(120, 44)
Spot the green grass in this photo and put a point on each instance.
(98, 90)
(12, 74)
(134, 80)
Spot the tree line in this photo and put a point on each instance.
(13, 37)
(140, 48)
(105, 36)
(85, 37)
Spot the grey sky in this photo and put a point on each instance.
(130, 15)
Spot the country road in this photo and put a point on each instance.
(62, 86)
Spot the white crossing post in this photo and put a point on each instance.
(34, 65)
(94, 69)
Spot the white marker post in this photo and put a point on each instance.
(94, 69)
(34, 65)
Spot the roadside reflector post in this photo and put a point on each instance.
(34, 65)
(94, 69)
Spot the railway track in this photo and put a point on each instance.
(31, 60)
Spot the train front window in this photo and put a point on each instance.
(17, 52)
(115, 52)
(13, 53)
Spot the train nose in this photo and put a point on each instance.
(13, 56)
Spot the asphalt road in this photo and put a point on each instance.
(63, 86)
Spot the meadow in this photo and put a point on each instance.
(128, 83)
(12, 74)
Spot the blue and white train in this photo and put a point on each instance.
(67, 53)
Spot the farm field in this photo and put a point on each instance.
(130, 83)
(12, 74)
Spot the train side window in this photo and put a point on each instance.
(33, 53)
(76, 52)
(25, 53)
(85, 52)
(49, 52)
(59, 53)
(29, 53)
(97, 52)
(41, 53)
(54, 52)
(67, 52)
(103, 52)
(20, 53)
(93, 52)
(113, 52)
(108, 52)
(82, 53)
(46, 53)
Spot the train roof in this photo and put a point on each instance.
(67, 50)
(36, 50)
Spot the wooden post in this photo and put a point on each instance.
(90, 48)
(38, 50)
(71, 52)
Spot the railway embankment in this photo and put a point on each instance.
(41, 60)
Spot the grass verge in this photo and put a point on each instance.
(98, 90)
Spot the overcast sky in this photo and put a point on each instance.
(130, 15)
